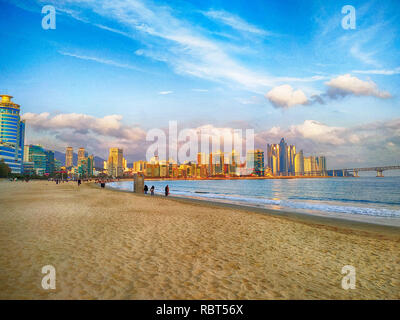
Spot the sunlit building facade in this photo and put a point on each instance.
(43, 160)
(69, 157)
(115, 163)
(255, 161)
(82, 154)
(299, 163)
(12, 134)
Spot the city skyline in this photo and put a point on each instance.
(207, 65)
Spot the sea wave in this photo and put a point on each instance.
(306, 205)
(382, 212)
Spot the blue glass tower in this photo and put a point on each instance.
(283, 158)
(12, 134)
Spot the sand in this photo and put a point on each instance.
(106, 244)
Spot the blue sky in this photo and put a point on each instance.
(284, 68)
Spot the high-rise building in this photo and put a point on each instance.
(81, 155)
(201, 158)
(255, 161)
(12, 134)
(291, 153)
(234, 158)
(43, 160)
(321, 164)
(139, 166)
(50, 163)
(217, 160)
(273, 156)
(283, 158)
(311, 166)
(299, 163)
(86, 167)
(69, 157)
(115, 162)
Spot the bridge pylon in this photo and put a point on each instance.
(379, 173)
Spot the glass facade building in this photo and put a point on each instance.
(43, 160)
(12, 134)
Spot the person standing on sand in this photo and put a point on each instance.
(152, 190)
(79, 182)
(146, 188)
(166, 191)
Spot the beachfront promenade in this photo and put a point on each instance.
(106, 244)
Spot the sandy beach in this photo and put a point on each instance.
(106, 244)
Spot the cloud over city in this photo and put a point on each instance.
(284, 96)
(98, 133)
(349, 85)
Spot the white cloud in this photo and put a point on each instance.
(234, 22)
(285, 96)
(319, 132)
(110, 125)
(100, 60)
(365, 57)
(97, 135)
(165, 92)
(347, 84)
(200, 90)
(381, 71)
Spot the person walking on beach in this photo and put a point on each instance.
(146, 188)
(166, 191)
(79, 182)
(152, 190)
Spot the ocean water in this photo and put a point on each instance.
(360, 198)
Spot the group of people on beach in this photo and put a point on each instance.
(146, 189)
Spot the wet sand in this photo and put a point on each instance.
(116, 245)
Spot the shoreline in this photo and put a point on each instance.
(236, 178)
(308, 218)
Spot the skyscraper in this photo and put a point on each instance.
(283, 158)
(81, 155)
(43, 160)
(291, 153)
(115, 162)
(12, 134)
(321, 164)
(273, 156)
(299, 163)
(255, 161)
(69, 157)
(311, 166)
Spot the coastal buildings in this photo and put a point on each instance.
(82, 154)
(86, 167)
(283, 158)
(39, 161)
(12, 134)
(115, 162)
(69, 157)
(273, 156)
(255, 162)
(299, 163)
